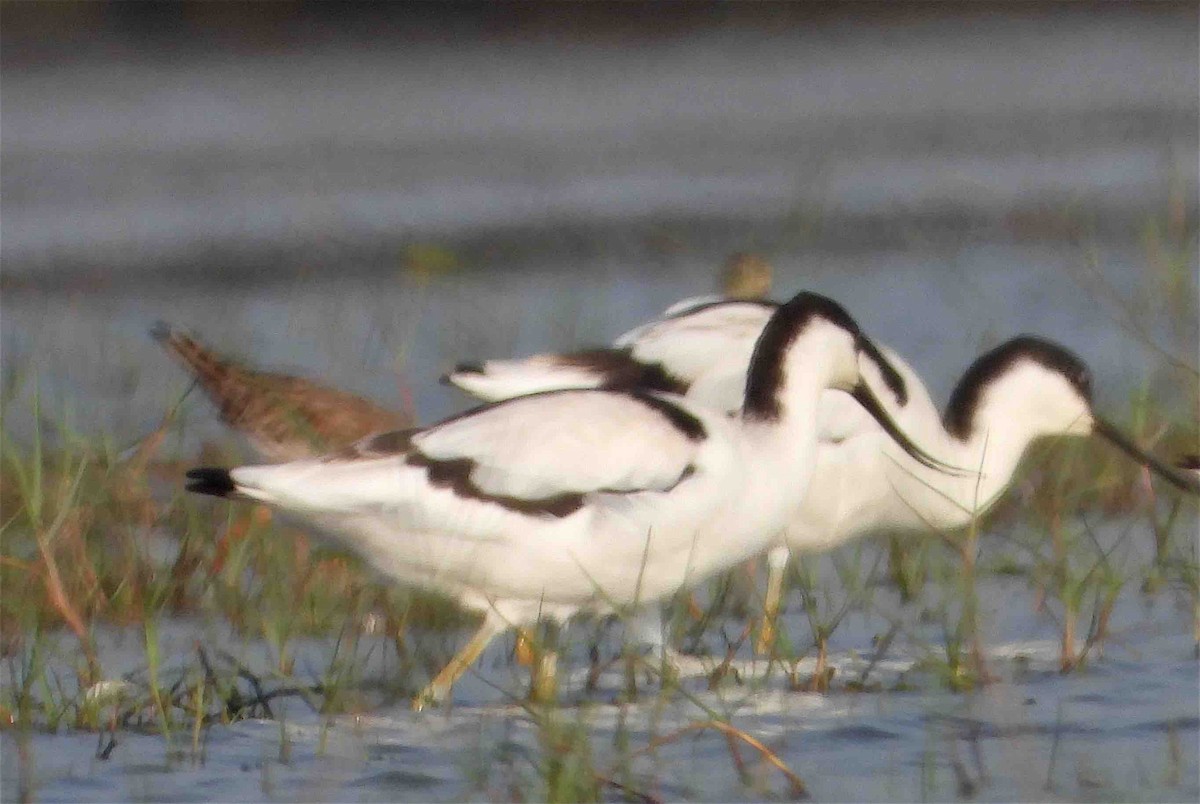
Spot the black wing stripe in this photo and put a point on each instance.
(455, 475)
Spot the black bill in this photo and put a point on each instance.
(865, 397)
(1180, 479)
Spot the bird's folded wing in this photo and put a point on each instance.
(568, 442)
(688, 305)
(689, 344)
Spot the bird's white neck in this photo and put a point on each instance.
(783, 447)
(989, 456)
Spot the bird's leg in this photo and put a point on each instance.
(543, 681)
(645, 645)
(971, 611)
(436, 691)
(524, 649)
(777, 560)
(820, 677)
(907, 575)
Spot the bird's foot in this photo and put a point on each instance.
(765, 644)
(524, 651)
(431, 695)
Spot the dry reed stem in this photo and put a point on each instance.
(797, 787)
(1067, 655)
(238, 530)
(62, 604)
(640, 795)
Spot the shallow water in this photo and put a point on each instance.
(1123, 727)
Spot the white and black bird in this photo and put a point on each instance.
(546, 505)
(1018, 392)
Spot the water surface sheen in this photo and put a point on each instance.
(1123, 728)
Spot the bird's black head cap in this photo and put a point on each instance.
(765, 378)
(967, 396)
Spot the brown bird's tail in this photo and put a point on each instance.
(209, 368)
(226, 383)
(284, 418)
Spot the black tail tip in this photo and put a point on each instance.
(161, 331)
(211, 481)
(461, 368)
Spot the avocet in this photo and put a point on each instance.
(546, 505)
(1023, 389)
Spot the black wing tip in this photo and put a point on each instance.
(212, 481)
(161, 331)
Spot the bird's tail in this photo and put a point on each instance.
(212, 481)
(210, 369)
(311, 486)
(230, 386)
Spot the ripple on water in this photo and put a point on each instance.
(858, 733)
(396, 780)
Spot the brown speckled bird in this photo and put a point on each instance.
(284, 418)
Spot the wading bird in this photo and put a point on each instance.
(746, 276)
(1023, 389)
(598, 500)
(284, 418)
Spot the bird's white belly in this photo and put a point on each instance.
(634, 550)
